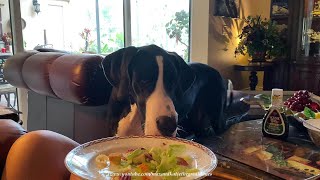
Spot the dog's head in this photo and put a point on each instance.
(155, 79)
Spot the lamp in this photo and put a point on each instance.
(36, 6)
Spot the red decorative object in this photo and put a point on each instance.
(6, 38)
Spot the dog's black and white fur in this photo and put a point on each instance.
(156, 92)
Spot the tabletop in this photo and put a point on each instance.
(5, 55)
(243, 143)
(265, 66)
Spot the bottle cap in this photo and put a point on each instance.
(276, 97)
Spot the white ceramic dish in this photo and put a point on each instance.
(313, 124)
(80, 161)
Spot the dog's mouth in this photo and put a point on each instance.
(167, 125)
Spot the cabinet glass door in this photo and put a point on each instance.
(311, 29)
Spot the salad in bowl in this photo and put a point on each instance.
(166, 162)
(141, 158)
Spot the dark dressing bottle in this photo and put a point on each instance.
(275, 123)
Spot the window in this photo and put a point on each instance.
(97, 26)
(8, 93)
(164, 23)
(111, 26)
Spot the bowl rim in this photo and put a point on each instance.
(307, 123)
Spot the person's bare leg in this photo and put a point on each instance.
(10, 131)
(38, 155)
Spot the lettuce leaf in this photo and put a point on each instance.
(309, 113)
(164, 160)
(156, 153)
(176, 149)
(134, 154)
(167, 163)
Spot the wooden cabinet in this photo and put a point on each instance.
(302, 70)
(279, 11)
(305, 75)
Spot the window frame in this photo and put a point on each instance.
(127, 26)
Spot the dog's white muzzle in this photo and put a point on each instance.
(161, 116)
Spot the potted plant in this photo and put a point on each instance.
(7, 40)
(86, 36)
(261, 38)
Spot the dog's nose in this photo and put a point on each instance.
(166, 125)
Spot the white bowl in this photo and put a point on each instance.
(313, 126)
(80, 161)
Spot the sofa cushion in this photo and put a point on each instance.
(13, 69)
(35, 72)
(79, 79)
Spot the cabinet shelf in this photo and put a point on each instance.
(280, 17)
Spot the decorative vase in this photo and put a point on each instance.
(258, 56)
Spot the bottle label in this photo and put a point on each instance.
(274, 123)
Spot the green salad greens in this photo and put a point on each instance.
(167, 162)
(309, 113)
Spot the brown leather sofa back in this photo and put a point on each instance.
(76, 78)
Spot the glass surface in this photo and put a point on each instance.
(111, 25)
(60, 25)
(150, 23)
(72, 26)
(279, 11)
(8, 93)
(311, 29)
(295, 158)
(81, 26)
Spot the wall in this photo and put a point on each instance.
(30, 33)
(36, 23)
(221, 47)
(5, 16)
(199, 31)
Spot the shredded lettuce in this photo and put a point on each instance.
(156, 154)
(176, 149)
(309, 113)
(167, 159)
(134, 154)
(167, 163)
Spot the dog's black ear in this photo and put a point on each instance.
(186, 76)
(115, 67)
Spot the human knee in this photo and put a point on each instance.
(39, 154)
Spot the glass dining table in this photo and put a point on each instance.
(244, 153)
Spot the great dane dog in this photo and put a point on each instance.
(155, 92)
